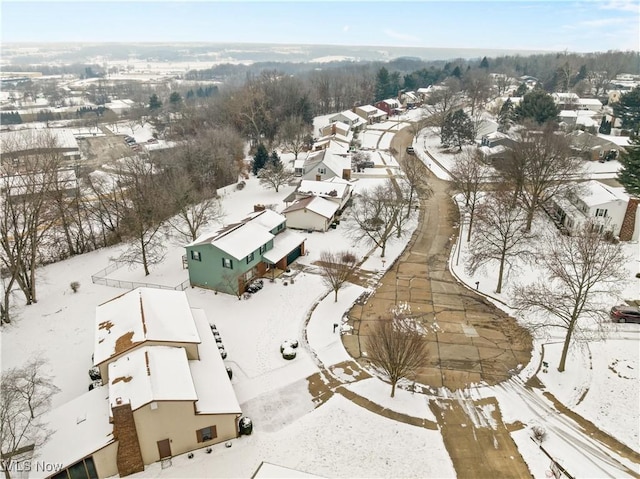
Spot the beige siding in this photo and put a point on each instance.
(105, 460)
(306, 220)
(176, 421)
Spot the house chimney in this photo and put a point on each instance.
(257, 208)
(629, 221)
(128, 457)
(333, 128)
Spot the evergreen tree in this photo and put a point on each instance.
(581, 75)
(260, 159)
(457, 72)
(457, 129)
(154, 102)
(507, 116)
(484, 63)
(383, 84)
(274, 158)
(629, 174)
(522, 90)
(537, 105)
(605, 126)
(628, 110)
(175, 99)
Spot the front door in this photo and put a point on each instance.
(164, 448)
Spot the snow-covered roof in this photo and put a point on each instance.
(267, 218)
(20, 140)
(392, 102)
(243, 239)
(596, 193)
(144, 314)
(424, 90)
(283, 244)
(351, 116)
(30, 183)
(315, 204)
(590, 101)
(369, 109)
(324, 188)
(78, 428)
(151, 373)
(213, 387)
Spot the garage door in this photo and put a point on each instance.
(291, 257)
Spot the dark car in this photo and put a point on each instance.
(410, 150)
(625, 314)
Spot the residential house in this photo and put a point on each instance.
(591, 104)
(350, 118)
(335, 189)
(410, 99)
(337, 143)
(232, 257)
(339, 128)
(370, 114)
(312, 213)
(390, 106)
(592, 147)
(496, 146)
(166, 391)
(324, 164)
(423, 93)
(570, 119)
(566, 101)
(609, 208)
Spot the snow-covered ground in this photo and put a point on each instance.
(337, 438)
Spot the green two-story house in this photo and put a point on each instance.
(232, 257)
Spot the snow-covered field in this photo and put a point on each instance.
(337, 438)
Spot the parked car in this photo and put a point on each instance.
(367, 164)
(410, 150)
(625, 314)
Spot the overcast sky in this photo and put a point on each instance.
(581, 26)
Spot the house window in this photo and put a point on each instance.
(250, 258)
(280, 226)
(263, 248)
(84, 469)
(206, 434)
(227, 263)
(601, 212)
(322, 171)
(195, 255)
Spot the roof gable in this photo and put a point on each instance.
(144, 314)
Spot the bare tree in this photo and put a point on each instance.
(274, 175)
(337, 269)
(477, 86)
(194, 208)
(374, 212)
(500, 235)
(25, 217)
(579, 272)
(445, 99)
(26, 396)
(541, 167)
(415, 179)
(397, 347)
(468, 173)
(147, 209)
(293, 134)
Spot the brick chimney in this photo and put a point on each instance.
(629, 221)
(129, 457)
(257, 208)
(333, 128)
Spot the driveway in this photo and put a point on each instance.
(470, 341)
